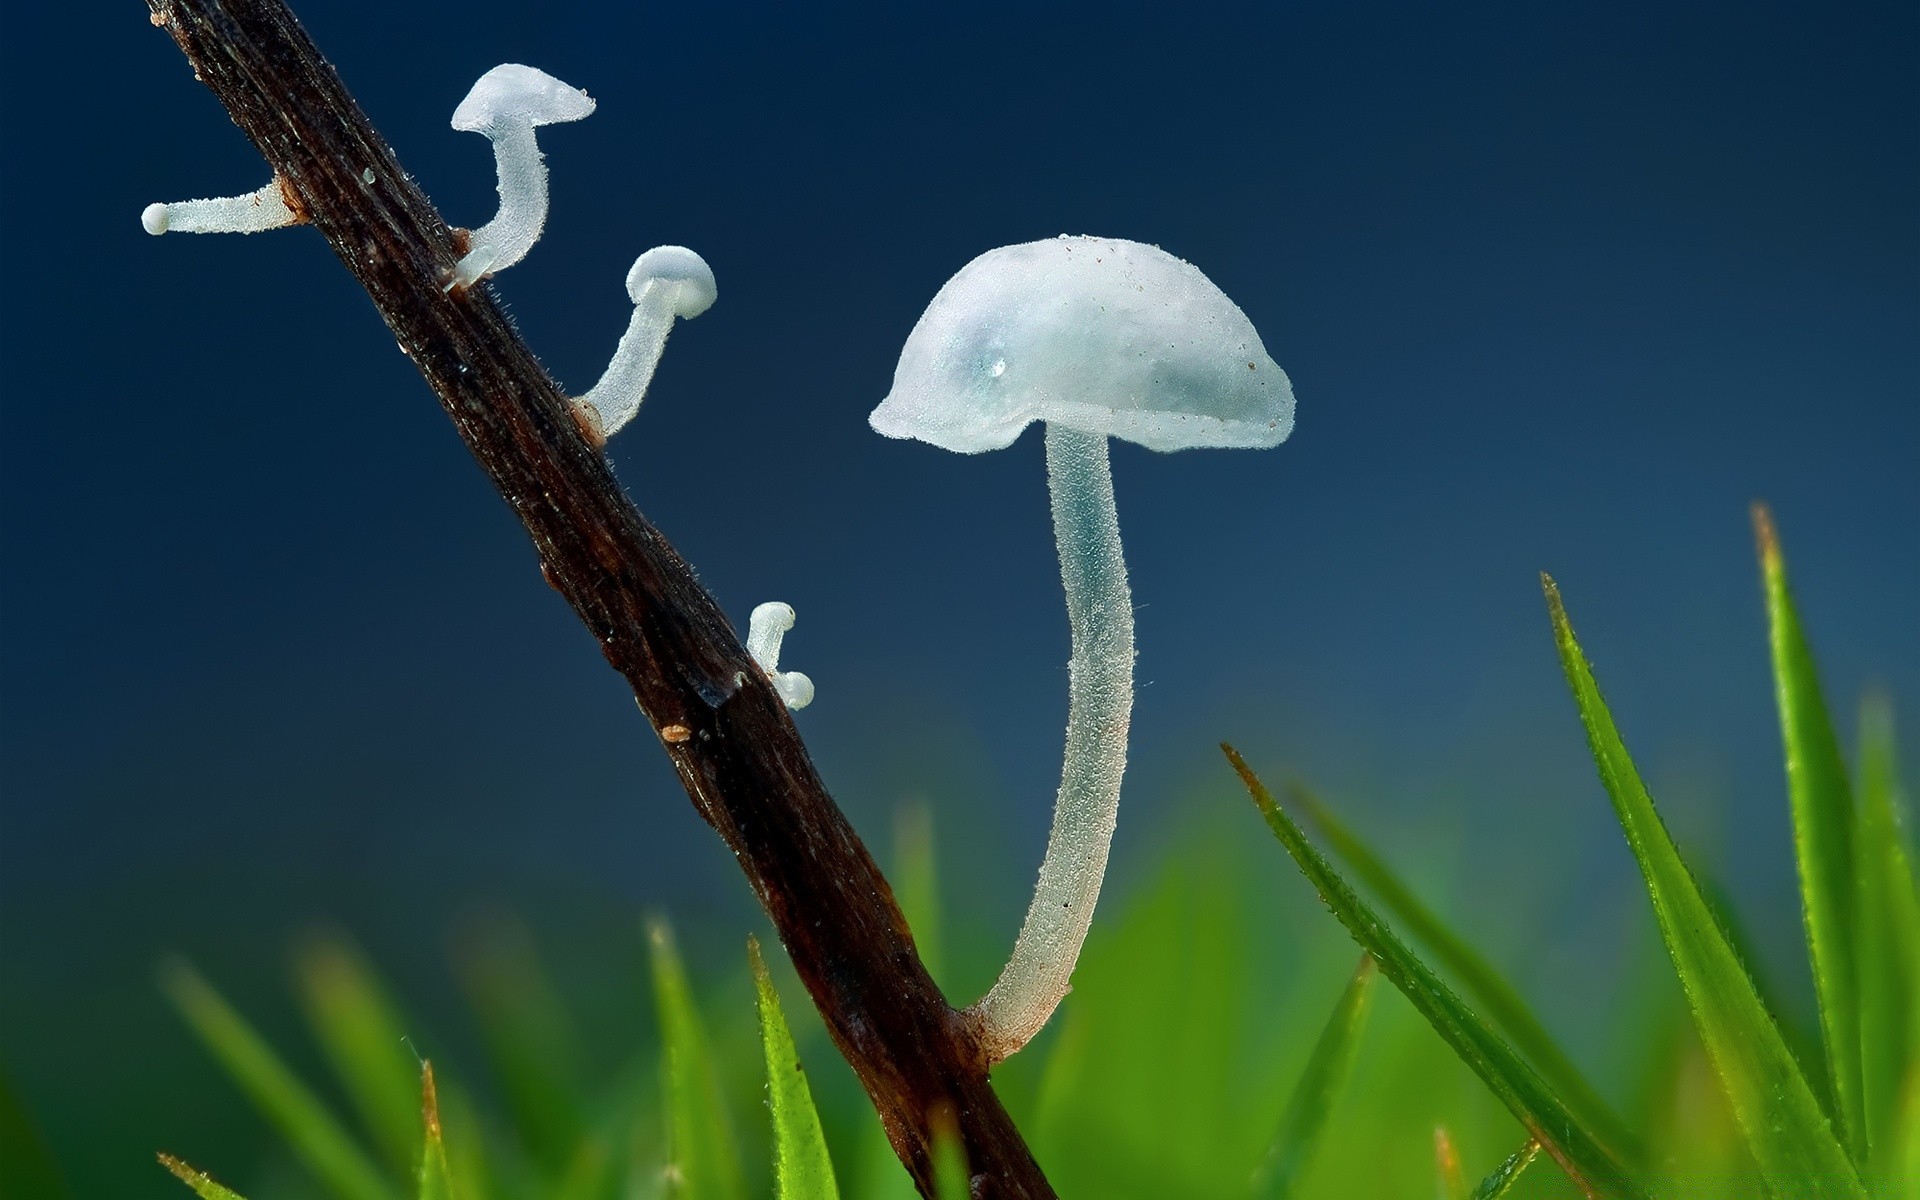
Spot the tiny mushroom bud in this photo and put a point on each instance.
(1097, 338)
(259, 210)
(766, 628)
(506, 105)
(665, 282)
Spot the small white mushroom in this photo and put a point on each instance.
(1098, 338)
(665, 282)
(766, 628)
(506, 105)
(256, 211)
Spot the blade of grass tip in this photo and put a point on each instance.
(1507, 1173)
(704, 1153)
(316, 1136)
(1329, 1065)
(469, 1171)
(360, 1032)
(587, 1177)
(917, 881)
(202, 1184)
(530, 1040)
(436, 1180)
(30, 1167)
(952, 1178)
(1502, 1004)
(1581, 1154)
(1906, 1155)
(1782, 1121)
(1446, 1161)
(875, 1171)
(1887, 932)
(802, 1168)
(1822, 835)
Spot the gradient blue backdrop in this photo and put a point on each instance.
(1560, 287)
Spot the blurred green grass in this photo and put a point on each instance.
(1219, 1041)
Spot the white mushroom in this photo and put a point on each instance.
(665, 282)
(252, 213)
(766, 628)
(1098, 338)
(507, 104)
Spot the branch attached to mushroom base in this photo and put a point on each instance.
(732, 742)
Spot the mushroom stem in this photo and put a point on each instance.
(1100, 691)
(666, 282)
(616, 398)
(263, 209)
(522, 172)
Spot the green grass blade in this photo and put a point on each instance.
(1822, 836)
(1887, 936)
(1321, 1082)
(361, 1034)
(802, 1168)
(469, 1170)
(875, 1171)
(1784, 1124)
(203, 1184)
(30, 1168)
(435, 1178)
(917, 882)
(1476, 976)
(703, 1149)
(315, 1135)
(1507, 1173)
(530, 1041)
(952, 1178)
(1906, 1147)
(1544, 1115)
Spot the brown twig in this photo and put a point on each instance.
(728, 734)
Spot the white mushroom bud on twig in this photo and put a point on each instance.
(665, 282)
(254, 212)
(766, 628)
(506, 105)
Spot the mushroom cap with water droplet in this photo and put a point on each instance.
(1100, 334)
(512, 92)
(686, 276)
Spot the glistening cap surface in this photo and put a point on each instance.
(1109, 336)
(512, 92)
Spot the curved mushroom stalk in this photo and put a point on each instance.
(665, 282)
(766, 629)
(255, 212)
(1100, 705)
(506, 105)
(1098, 338)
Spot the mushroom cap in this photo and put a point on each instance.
(686, 276)
(1099, 334)
(518, 94)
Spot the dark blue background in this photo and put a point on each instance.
(1559, 287)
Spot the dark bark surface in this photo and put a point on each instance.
(730, 738)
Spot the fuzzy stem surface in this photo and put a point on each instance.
(1093, 573)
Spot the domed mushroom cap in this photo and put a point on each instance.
(686, 276)
(511, 92)
(1099, 334)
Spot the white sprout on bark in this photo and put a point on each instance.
(666, 282)
(254, 212)
(766, 629)
(506, 105)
